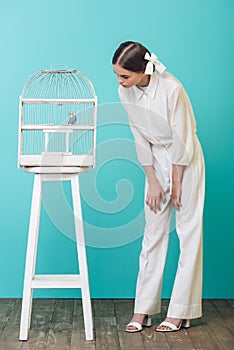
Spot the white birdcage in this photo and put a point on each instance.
(57, 120)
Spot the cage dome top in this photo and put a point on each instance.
(58, 84)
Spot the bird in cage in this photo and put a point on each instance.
(71, 118)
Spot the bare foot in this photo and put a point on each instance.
(136, 318)
(175, 321)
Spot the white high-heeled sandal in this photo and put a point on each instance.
(173, 328)
(147, 322)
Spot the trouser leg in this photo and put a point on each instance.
(152, 259)
(187, 290)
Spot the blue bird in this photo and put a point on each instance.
(71, 118)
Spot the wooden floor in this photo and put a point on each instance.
(58, 324)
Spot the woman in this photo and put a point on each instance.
(162, 122)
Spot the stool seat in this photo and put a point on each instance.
(56, 170)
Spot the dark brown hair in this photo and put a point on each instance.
(130, 55)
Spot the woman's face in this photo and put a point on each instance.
(127, 78)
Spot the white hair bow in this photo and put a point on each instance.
(153, 61)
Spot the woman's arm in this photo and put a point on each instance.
(182, 148)
(183, 127)
(155, 191)
(177, 175)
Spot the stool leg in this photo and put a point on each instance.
(81, 249)
(31, 258)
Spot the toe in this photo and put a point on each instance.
(164, 328)
(131, 328)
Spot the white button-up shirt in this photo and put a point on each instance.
(161, 114)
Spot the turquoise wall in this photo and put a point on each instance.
(194, 39)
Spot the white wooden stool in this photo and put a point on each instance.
(31, 280)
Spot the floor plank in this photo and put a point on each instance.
(231, 302)
(78, 341)
(37, 339)
(105, 325)
(123, 311)
(226, 312)
(60, 332)
(42, 312)
(9, 339)
(179, 340)
(216, 327)
(14, 317)
(58, 324)
(200, 338)
(6, 308)
(154, 340)
(78, 320)
(63, 311)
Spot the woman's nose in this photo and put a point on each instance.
(120, 80)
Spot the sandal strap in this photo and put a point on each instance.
(135, 324)
(170, 325)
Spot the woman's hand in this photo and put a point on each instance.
(176, 195)
(155, 195)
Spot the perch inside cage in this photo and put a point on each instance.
(57, 120)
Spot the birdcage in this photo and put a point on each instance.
(57, 120)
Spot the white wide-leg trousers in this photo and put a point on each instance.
(187, 290)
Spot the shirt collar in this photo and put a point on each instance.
(151, 89)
